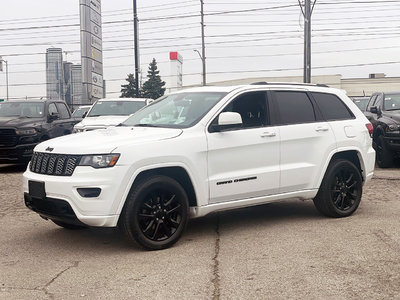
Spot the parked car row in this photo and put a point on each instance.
(24, 124)
(383, 111)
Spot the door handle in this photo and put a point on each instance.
(268, 134)
(321, 128)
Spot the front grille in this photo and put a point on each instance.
(54, 164)
(8, 137)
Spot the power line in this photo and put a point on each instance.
(243, 71)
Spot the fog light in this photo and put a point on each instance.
(89, 192)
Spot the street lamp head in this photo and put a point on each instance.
(198, 52)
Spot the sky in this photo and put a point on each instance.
(253, 38)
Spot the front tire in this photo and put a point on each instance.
(156, 213)
(340, 192)
(384, 157)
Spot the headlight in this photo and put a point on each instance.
(393, 127)
(30, 131)
(75, 130)
(99, 161)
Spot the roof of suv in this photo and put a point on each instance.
(272, 85)
(125, 99)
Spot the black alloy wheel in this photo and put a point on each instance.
(341, 189)
(160, 215)
(344, 190)
(156, 213)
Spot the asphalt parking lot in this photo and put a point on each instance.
(276, 251)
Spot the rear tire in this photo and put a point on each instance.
(156, 213)
(340, 192)
(384, 157)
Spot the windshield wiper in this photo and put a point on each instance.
(145, 125)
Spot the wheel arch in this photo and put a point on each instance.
(352, 155)
(178, 173)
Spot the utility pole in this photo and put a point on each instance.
(1, 69)
(135, 29)
(203, 46)
(307, 12)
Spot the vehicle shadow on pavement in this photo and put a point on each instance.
(111, 240)
(271, 213)
(105, 240)
(16, 168)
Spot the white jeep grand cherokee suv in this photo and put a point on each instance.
(204, 150)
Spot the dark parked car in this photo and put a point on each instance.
(361, 102)
(24, 124)
(383, 111)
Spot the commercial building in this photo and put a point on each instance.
(76, 90)
(54, 74)
(63, 79)
(353, 86)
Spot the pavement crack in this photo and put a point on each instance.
(386, 239)
(46, 286)
(216, 279)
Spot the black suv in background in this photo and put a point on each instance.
(24, 124)
(383, 111)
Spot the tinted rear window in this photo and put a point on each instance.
(294, 107)
(332, 107)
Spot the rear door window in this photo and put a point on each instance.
(294, 107)
(332, 107)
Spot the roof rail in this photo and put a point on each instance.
(288, 83)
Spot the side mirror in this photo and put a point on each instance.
(84, 114)
(52, 117)
(227, 121)
(376, 110)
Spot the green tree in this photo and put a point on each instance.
(129, 90)
(154, 86)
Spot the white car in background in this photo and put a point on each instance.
(110, 112)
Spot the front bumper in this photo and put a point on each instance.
(393, 142)
(54, 209)
(102, 210)
(20, 153)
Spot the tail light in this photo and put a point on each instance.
(370, 129)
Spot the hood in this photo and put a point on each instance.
(103, 141)
(18, 122)
(393, 115)
(101, 121)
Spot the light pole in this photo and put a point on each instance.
(136, 42)
(1, 69)
(203, 46)
(203, 63)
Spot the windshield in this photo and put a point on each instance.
(361, 103)
(22, 109)
(79, 112)
(115, 108)
(392, 102)
(176, 110)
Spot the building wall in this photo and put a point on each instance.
(367, 86)
(353, 86)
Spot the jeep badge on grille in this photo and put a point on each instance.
(49, 149)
